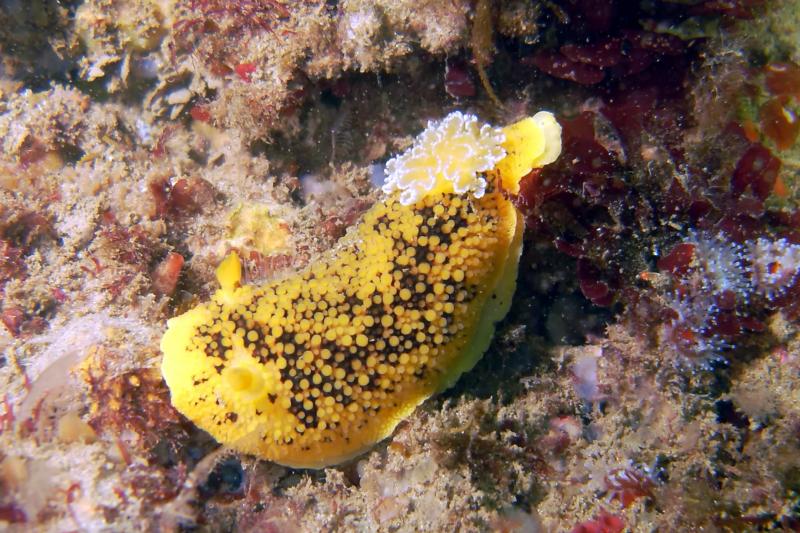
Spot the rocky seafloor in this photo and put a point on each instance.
(647, 377)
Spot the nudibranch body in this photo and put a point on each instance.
(314, 369)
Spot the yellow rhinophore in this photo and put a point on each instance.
(316, 368)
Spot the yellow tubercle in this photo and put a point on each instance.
(316, 368)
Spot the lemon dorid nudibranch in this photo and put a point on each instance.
(314, 369)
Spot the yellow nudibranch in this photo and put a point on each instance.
(314, 369)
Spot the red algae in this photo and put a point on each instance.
(258, 267)
(457, 80)
(756, 170)
(592, 286)
(244, 71)
(604, 522)
(783, 79)
(13, 514)
(739, 9)
(605, 53)
(626, 53)
(200, 113)
(11, 261)
(187, 196)
(560, 66)
(678, 260)
(779, 122)
(241, 15)
(627, 485)
(165, 276)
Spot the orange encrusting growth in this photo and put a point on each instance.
(316, 368)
